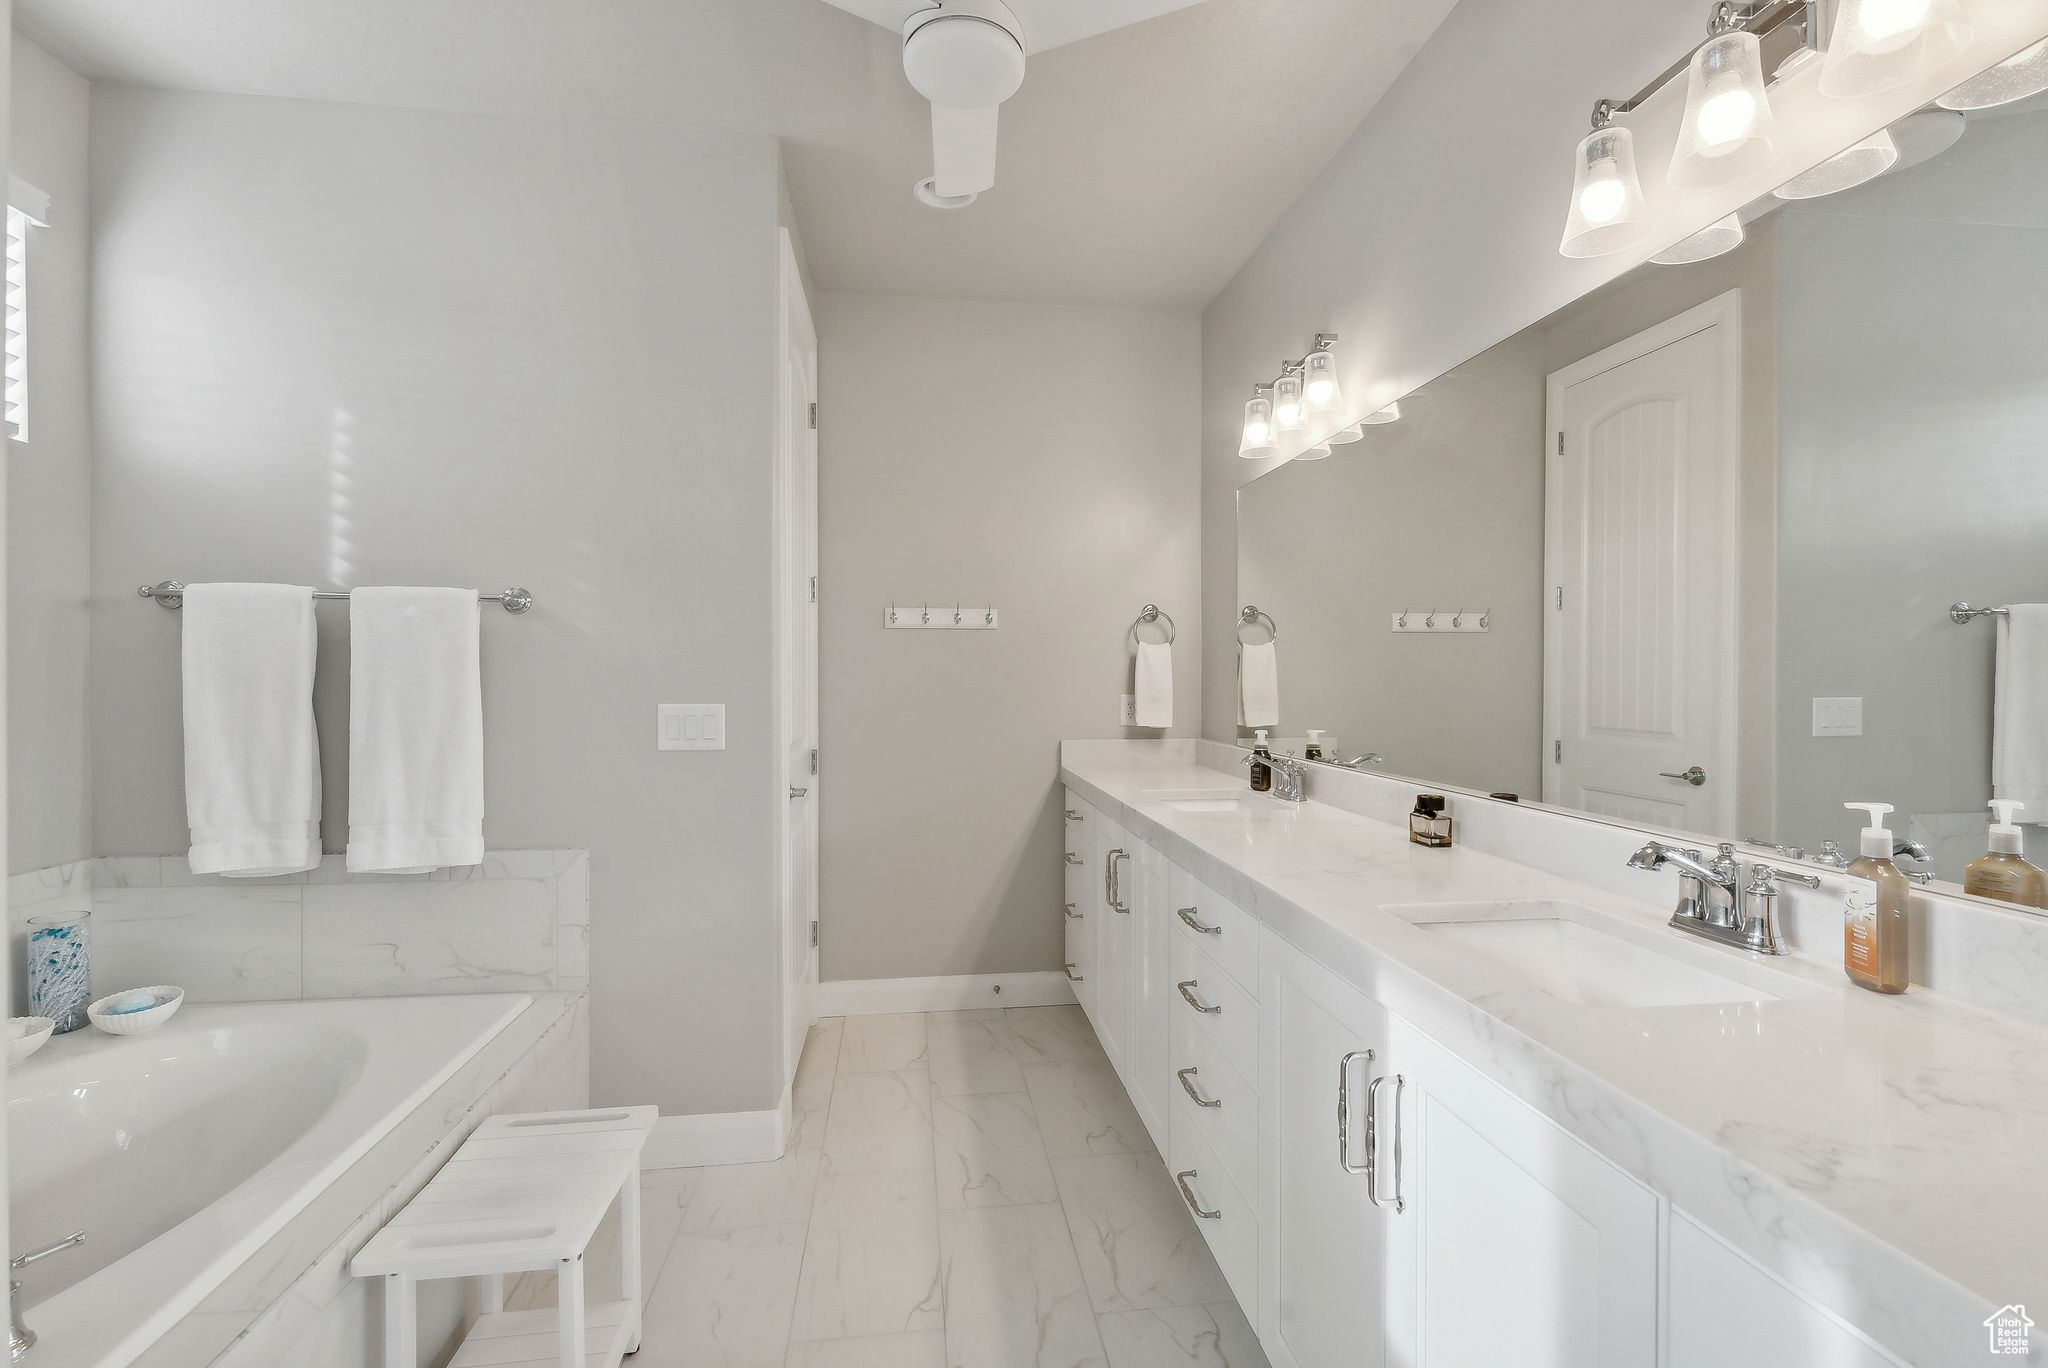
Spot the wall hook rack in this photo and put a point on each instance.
(959, 618)
(1442, 620)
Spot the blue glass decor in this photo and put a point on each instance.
(60, 968)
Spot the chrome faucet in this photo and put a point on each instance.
(1369, 759)
(1290, 776)
(1707, 902)
(21, 1339)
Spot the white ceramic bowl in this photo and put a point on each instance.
(26, 1035)
(169, 1000)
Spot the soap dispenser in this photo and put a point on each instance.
(1874, 916)
(2002, 873)
(1314, 749)
(1262, 774)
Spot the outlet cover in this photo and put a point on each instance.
(1838, 717)
(1128, 717)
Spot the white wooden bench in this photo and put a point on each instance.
(524, 1193)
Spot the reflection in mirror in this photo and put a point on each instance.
(1715, 515)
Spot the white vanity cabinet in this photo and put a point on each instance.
(1111, 912)
(1081, 913)
(1146, 941)
(1777, 1328)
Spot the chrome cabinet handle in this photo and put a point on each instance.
(1204, 1008)
(1694, 775)
(796, 792)
(1187, 1194)
(1072, 914)
(1073, 977)
(1072, 858)
(1184, 1075)
(1372, 1182)
(1073, 816)
(1187, 915)
(1115, 875)
(1344, 1118)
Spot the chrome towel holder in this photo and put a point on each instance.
(1960, 613)
(1252, 616)
(171, 594)
(1150, 614)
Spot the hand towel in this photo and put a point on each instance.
(1155, 684)
(252, 758)
(415, 731)
(1258, 685)
(2019, 710)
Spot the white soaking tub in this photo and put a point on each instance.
(181, 1151)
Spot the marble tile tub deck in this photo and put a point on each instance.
(966, 1190)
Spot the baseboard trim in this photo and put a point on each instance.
(754, 1137)
(943, 993)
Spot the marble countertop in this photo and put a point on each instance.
(1882, 1154)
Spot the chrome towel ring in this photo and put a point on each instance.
(1148, 615)
(1252, 617)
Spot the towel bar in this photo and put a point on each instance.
(171, 594)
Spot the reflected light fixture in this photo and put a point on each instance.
(1867, 160)
(1320, 392)
(1608, 213)
(1879, 45)
(1728, 130)
(1257, 443)
(2018, 76)
(1390, 414)
(1314, 453)
(1345, 436)
(1287, 399)
(1716, 239)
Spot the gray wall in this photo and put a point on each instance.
(50, 483)
(343, 345)
(1038, 458)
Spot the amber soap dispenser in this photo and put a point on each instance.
(1874, 917)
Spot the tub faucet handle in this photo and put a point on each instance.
(75, 1238)
(21, 1339)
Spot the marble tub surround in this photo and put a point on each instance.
(518, 922)
(1879, 1154)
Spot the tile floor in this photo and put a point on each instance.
(966, 1190)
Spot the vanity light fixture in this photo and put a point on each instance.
(1320, 392)
(1314, 453)
(1345, 436)
(1867, 160)
(2018, 76)
(1257, 444)
(1390, 414)
(1878, 45)
(1608, 211)
(1287, 405)
(1716, 239)
(1728, 130)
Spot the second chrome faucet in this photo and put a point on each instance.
(1708, 904)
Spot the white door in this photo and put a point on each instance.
(1517, 1244)
(1323, 1255)
(1112, 1000)
(796, 624)
(1640, 544)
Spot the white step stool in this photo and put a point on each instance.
(524, 1193)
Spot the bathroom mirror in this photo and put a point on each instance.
(1683, 554)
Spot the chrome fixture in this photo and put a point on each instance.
(1960, 613)
(1707, 902)
(171, 594)
(1187, 994)
(1113, 882)
(1252, 616)
(1369, 760)
(1759, 928)
(1831, 855)
(1787, 852)
(1150, 614)
(1187, 1194)
(1692, 774)
(1186, 1077)
(1306, 392)
(21, 1339)
(1290, 775)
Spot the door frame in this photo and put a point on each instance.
(1723, 311)
(796, 337)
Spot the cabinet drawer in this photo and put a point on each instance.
(1212, 1000)
(1224, 931)
(1201, 1074)
(1219, 1208)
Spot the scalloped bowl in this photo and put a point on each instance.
(168, 1000)
(26, 1035)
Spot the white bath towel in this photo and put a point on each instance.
(252, 758)
(415, 731)
(2019, 711)
(1258, 685)
(1154, 685)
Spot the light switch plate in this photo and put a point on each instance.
(1838, 717)
(689, 726)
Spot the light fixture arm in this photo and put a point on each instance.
(1324, 342)
(1762, 19)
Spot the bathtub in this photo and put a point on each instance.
(180, 1152)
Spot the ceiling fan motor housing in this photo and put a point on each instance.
(966, 54)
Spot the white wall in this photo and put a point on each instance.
(341, 345)
(50, 479)
(1039, 458)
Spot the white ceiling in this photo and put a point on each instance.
(1140, 166)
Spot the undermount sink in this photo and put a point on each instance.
(1592, 959)
(1219, 799)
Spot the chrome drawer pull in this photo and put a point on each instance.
(1073, 977)
(1372, 1182)
(1113, 881)
(1071, 913)
(1072, 858)
(1344, 1119)
(1073, 816)
(1187, 914)
(1204, 1008)
(1187, 1195)
(1184, 1075)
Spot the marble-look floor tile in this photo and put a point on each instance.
(1014, 1294)
(1215, 1336)
(1047, 1035)
(972, 1055)
(871, 1264)
(1139, 1247)
(724, 1299)
(730, 1196)
(988, 1152)
(919, 1349)
(879, 1121)
(882, 1044)
(1083, 1109)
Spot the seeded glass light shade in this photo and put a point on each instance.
(1867, 160)
(1717, 238)
(1343, 436)
(1728, 130)
(1320, 392)
(1390, 414)
(1878, 45)
(1318, 452)
(2015, 78)
(1608, 213)
(1257, 442)
(1287, 404)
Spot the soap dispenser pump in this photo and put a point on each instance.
(1874, 915)
(2003, 873)
(1262, 773)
